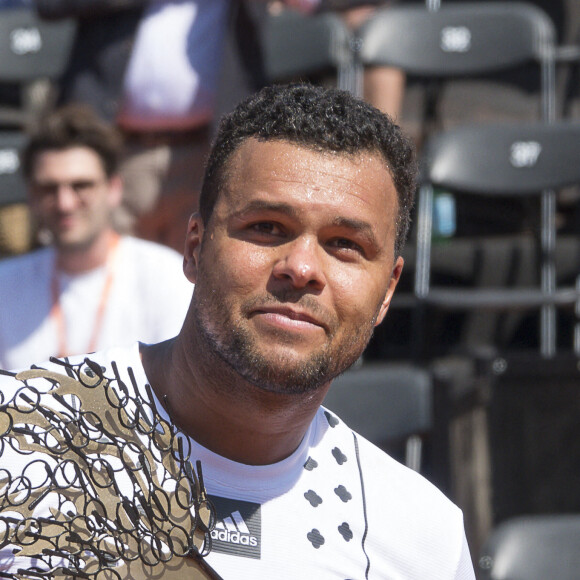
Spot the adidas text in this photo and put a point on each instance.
(234, 538)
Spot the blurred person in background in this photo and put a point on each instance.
(154, 68)
(90, 287)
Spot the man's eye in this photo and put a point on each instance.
(80, 186)
(346, 244)
(266, 228)
(45, 190)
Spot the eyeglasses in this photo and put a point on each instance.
(49, 190)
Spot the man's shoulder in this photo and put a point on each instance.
(115, 362)
(25, 263)
(417, 512)
(24, 275)
(379, 469)
(148, 252)
(148, 247)
(158, 271)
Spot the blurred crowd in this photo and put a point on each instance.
(154, 76)
(114, 160)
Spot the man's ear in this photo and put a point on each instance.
(395, 276)
(195, 231)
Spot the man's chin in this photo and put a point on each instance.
(286, 373)
(274, 364)
(71, 241)
(287, 382)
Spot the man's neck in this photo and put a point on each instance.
(237, 421)
(79, 259)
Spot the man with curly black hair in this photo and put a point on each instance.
(295, 256)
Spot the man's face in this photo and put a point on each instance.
(296, 265)
(72, 196)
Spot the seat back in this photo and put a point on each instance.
(504, 159)
(523, 159)
(33, 55)
(533, 548)
(385, 403)
(15, 225)
(31, 48)
(297, 46)
(464, 41)
(467, 38)
(12, 186)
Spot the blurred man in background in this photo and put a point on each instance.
(90, 287)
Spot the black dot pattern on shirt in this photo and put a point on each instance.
(332, 420)
(345, 531)
(339, 456)
(314, 499)
(343, 493)
(316, 538)
(310, 464)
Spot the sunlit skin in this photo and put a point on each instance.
(72, 196)
(293, 271)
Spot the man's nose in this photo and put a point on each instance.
(301, 263)
(66, 197)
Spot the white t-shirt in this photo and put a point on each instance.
(338, 508)
(172, 76)
(147, 301)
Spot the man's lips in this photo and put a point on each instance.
(289, 317)
(65, 220)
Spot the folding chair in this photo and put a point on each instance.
(12, 186)
(386, 403)
(520, 160)
(33, 53)
(14, 214)
(297, 46)
(459, 40)
(533, 548)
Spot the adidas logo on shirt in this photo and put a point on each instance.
(238, 528)
(234, 530)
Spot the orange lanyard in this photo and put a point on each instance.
(57, 314)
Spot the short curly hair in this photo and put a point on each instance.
(319, 118)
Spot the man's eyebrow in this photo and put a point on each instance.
(264, 205)
(360, 226)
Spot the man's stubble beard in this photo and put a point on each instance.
(220, 335)
(93, 229)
